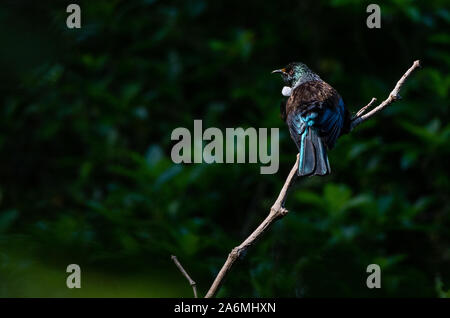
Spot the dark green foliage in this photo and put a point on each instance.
(86, 175)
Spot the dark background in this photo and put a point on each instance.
(86, 175)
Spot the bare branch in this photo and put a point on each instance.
(365, 108)
(183, 271)
(278, 211)
(393, 96)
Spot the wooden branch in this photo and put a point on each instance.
(365, 108)
(278, 211)
(393, 96)
(183, 271)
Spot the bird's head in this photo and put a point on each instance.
(294, 72)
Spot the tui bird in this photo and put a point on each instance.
(316, 117)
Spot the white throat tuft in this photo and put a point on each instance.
(286, 91)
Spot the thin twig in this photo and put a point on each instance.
(278, 211)
(393, 96)
(365, 108)
(183, 271)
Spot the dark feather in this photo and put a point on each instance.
(315, 134)
(320, 97)
(308, 157)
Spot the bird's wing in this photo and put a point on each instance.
(296, 126)
(321, 98)
(331, 123)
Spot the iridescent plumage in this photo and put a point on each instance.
(316, 117)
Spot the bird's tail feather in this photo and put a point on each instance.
(313, 155)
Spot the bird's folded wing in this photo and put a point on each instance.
(296, 127)
(320, 97)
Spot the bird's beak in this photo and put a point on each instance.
(282, 71)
